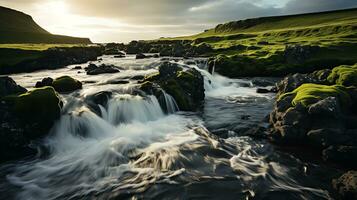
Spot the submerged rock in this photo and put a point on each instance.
(184, 85)
(140, 56)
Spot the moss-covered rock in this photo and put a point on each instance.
(344, 75)
(184, 85)
(39, 107)
(66, 84)
(308, 94)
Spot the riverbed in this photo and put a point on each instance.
(133, 149)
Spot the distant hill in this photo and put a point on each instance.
(281, 23)
(18, 27)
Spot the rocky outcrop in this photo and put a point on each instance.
(298, 54)
(322, 116)
(346, 185)
(52, 58)
(184, 85)
(26, 116)
(93, 69)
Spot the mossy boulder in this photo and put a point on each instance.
(344, 75)
(65, 84)
(37, 108)
(184, 85)
(308, 94)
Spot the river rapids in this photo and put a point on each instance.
(133, 149)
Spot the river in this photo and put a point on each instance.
(132, 149)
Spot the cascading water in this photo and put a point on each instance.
(135, 149)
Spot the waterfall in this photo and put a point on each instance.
(170, 103)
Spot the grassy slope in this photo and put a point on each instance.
(244, 41)
(17, 27)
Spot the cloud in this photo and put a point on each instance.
(106, 20)
(303, 6)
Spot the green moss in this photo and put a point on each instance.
(344, 75)
(308, 94)
(152, 77)
(41, 105)
(66, 84)
(173, 88)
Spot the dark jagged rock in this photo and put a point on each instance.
(346, 185)
(8, 87)
(321, 116)
(184, 85)
(297, 54)
(77, 67)
(93, 69)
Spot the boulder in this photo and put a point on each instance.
(44, 82)
(93, 69)
(184, 85)
(101, 98)
(66, 84)
(326, 107)
(8, 87)
(346, 185)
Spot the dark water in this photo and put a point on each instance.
(133, 150)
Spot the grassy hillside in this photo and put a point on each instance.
(17, 27)
(260, 46)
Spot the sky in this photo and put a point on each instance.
(126, 20)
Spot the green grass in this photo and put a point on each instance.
(256, 47)
(38, 47)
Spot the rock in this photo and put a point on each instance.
(346, 185)
(118, 82)
(119, 56)
(345, 155)
(38, 108)
(261, 82)
(185, 86)
(77, 67)
(245, 117)
(297, 54)
(66, 84)
(102, 69)
(137, 77)
(100, 98)
(140, 56)
(8, 87)
(263, 91)
(156, 56)
(44, 82)
(328, 107)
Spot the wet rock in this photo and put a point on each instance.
(93, 69)
(263, 91)
(8, 87)
(184, 85)
(140, 56)
(245, 117)
(101, 98)
(346, 185)
(44, 82)
(118, 82)
(77, 67)
(66, 84)
(137, 77)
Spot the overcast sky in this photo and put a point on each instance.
(125, 20)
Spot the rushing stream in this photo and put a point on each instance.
(132, 149)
